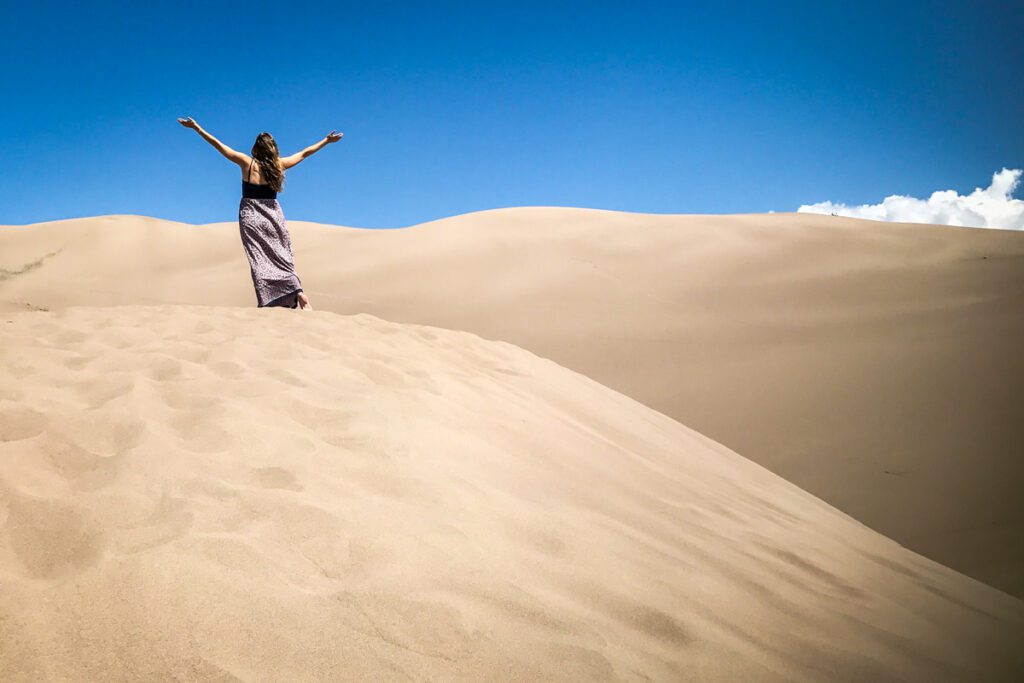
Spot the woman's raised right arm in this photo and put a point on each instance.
(229, 154)
(289, 161)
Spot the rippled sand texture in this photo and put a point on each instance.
(876, 365)
(207, 493)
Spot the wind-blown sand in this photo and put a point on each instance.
(210, 493)
(876, 365)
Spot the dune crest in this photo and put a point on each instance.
(230, 494)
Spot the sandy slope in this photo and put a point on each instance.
(231, 493)
(875, 365)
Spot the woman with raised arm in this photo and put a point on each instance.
(261, 223)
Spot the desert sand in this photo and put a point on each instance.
(199, 492)
(876, 365)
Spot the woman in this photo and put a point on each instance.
(261, 223)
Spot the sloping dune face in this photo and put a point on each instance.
(876, 365)
(211, 493)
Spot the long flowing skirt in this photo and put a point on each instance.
(268, 246)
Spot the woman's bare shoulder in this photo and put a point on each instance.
(246, 164)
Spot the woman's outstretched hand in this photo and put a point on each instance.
(188, 122)
(334, 136)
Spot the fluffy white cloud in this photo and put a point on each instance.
(992, 207)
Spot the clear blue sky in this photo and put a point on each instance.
(456, 107)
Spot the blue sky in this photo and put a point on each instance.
(455, 107)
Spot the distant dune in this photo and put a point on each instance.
(211, 493)
(878, 366)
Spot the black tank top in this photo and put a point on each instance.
(254, 190)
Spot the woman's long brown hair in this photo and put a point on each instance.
(264, 151)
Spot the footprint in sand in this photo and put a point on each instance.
(316, 417)
(276, 478)
(97, 391)
(83, 469)
(168, 521)
(163, 368)
(107, 432)
(50, 539)
(226, 369)
(199, 432)
(19, 422)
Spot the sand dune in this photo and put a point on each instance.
(876, 365)
(210, 493)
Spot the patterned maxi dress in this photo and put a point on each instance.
(268, 246)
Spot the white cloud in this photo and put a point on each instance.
(992, 207)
